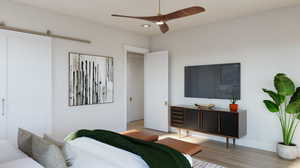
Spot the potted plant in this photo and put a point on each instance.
(285, 104)
(233, 106)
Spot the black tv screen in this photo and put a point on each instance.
(221, 81)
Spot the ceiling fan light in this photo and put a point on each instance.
(160, 23)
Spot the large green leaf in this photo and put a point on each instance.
(298, 117)
(296, 95)
(278, 99)
(284, 85)
(271, 106)
(293, 107)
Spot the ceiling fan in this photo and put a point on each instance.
(161, 19)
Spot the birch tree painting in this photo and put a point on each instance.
(90, 79)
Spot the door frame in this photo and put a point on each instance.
(139, 50)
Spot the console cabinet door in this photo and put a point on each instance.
(229, 124)
(177, 117)
(210, 122)
(191, 119)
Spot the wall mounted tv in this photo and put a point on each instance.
(221, 81)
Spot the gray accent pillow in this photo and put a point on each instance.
(64, 147)
(25, 141)
(47, 154)
(54, 141)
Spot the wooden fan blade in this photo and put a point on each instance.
(164, 28)
(147, 18)
(183, 13)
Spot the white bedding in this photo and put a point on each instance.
(93, 154)
(10, 157)
(21, 163)
(9, 152)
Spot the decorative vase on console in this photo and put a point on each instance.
(233, 106)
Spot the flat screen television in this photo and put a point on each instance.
(221, 81)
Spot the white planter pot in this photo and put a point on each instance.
(287, 152)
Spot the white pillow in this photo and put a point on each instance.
(69, 154)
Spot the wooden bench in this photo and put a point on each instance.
(181, 146)
(145, 136)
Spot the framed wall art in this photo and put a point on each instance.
(91, 79)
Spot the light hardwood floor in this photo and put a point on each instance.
(216, 152)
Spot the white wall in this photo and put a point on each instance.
(264, 45)
(135, 87)
(105, 41)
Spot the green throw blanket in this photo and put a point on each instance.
(155, 155)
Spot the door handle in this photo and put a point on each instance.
(130, 99)
(3, 107)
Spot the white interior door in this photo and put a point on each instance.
(156, 91)
(29, 84)
(3, 81)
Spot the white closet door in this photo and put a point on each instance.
(3, 90)
(29, 84)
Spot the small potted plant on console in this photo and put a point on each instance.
(233, 106)
(285, 104)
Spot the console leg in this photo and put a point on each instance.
(233, 140)
(227, 142)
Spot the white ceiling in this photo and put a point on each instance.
(101, 10)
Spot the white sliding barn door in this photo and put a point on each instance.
(3, 82)
(29, 84)
(156, 91)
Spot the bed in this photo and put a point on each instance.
(81, 152)
(13, 158)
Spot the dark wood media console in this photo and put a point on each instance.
(216, 121)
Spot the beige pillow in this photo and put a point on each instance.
(25, 141)
(47, 154)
